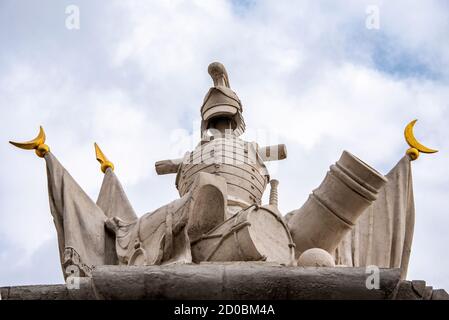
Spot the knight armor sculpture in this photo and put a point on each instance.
(356, 217)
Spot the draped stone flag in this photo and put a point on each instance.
(78, 220)
(383, 234)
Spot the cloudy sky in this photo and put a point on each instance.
(315, 75)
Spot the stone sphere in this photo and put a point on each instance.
(316, 257)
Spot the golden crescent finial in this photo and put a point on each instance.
(105, 163)
(38, 144)
(415, 146)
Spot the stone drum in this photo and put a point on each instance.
(253, 234)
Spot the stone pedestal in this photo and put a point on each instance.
(237, 281)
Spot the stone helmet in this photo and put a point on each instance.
(221, 101)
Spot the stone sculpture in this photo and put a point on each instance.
(356, 217)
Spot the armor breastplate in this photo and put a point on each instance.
(231, 158)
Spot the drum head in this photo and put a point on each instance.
(270, 236)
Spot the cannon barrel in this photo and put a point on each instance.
(348, 189)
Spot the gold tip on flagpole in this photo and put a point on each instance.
(105, 163)
(38, 144)
(415, 146)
